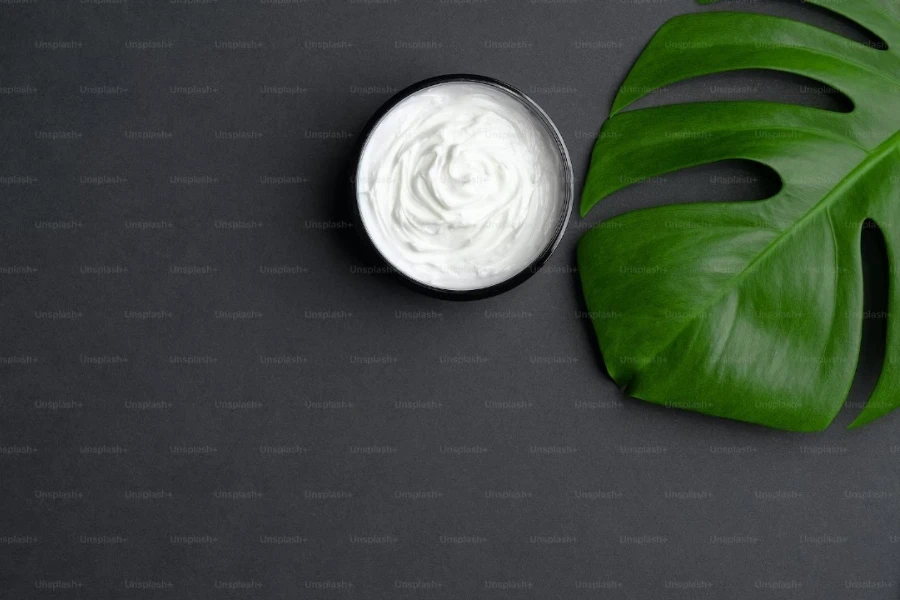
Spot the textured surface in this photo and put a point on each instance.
(175, 417)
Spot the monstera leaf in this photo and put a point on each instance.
(751, 311)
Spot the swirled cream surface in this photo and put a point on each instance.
(460, 186)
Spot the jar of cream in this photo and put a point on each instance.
(463, 186)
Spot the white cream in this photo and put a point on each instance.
(460, 186)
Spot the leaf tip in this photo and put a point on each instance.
(860, 421)
(619, 103)
(584, 209)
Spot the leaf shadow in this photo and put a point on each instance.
(584, 318)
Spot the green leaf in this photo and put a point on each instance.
(751, 311)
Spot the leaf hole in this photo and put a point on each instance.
(876, 271)
(750, 84)
(720, 181)
(818, 16)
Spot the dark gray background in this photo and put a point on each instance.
(467, 450)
